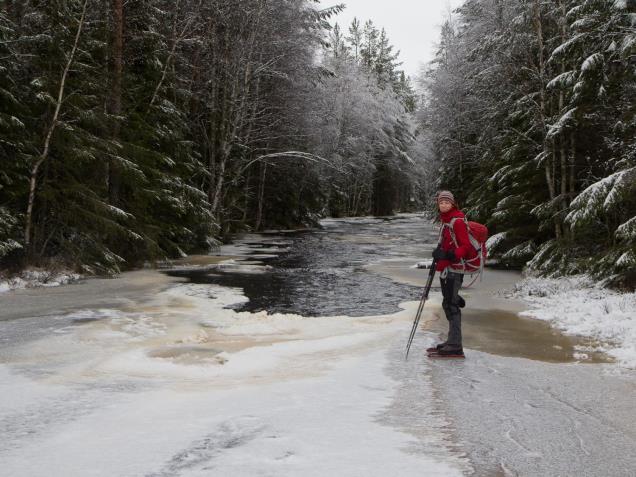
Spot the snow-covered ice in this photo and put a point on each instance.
(109, 392)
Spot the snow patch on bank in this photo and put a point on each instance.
(38, 278)
(579, 306)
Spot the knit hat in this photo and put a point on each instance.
(446, 195)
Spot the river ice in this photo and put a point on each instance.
(259, 394)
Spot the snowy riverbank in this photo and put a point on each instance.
(578, 306)
(37, 278)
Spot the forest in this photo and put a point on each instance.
(528, 113)
(135, 131)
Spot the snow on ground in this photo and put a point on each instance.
(310, 427)
(578, 306)
(37, 278)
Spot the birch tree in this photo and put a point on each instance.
(53, 123)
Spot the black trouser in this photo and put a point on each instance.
(451, 285)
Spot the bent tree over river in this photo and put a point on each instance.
(284, 355)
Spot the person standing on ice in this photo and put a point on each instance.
(453, 249)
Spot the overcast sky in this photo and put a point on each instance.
(413, 26)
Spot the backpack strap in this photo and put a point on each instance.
(451, 229)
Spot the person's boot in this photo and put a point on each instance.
(451, 350)
(436, 348)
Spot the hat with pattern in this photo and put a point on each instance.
(446, 195)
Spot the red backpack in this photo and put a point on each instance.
(477, 234)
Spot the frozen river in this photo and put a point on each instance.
(286, 359)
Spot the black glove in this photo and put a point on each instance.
(439, 254)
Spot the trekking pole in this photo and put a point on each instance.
(420, 308)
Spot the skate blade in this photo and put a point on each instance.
(445, 356)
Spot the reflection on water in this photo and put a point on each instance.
(505, 333)
(321, 273)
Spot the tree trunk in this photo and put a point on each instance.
(572, 166)
(114, 106)
(218, 129)
(176, 38)
(47, 141)
(246, 198)
(564, 185)
(234, 116)
(212, 156)
(562, 140)
(261, 195)
(550, 176)
(220, 173)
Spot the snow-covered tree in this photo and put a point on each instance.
(12, 133)
(529, 108)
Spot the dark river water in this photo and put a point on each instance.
(322, 272)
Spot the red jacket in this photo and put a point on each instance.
(465, 249)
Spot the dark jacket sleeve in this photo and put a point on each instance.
(465, 248)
